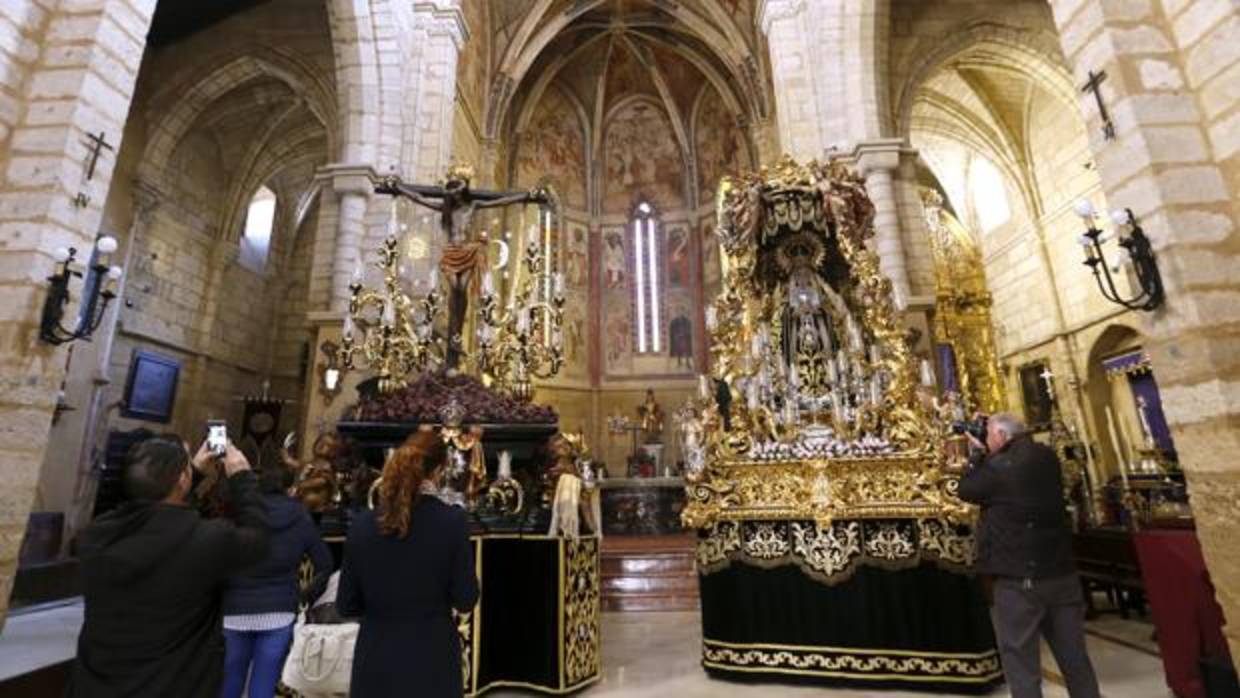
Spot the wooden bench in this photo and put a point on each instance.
(1107, 561)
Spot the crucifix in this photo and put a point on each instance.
(97, 144)
(1049, 379)
(462, 259)
(1094, 85)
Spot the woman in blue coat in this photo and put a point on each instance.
(260, 604)
(407, 565)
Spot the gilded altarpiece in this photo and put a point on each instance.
(963, 327)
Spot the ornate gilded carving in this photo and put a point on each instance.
(831, 552)
(582, 622)
(980, 668)
(962, 316)
(813, 411)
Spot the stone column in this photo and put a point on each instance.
(787, 26)
(878, 161)
(439, 31)
(346, 190)
(80, 65)
(1175, 161)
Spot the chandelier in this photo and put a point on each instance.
(396, 329)
(523, 340)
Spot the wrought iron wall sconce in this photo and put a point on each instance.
(97, 292)
(1140, 255)
(331, 375)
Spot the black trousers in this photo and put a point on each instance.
(1026, 610)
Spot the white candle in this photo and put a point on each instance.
(711, 318)
(488, 284)
(434, 278)
(1119, 453)
(559, 284)
(523, 321)
(704, 387)
(927, 373)
(348, 325)
(389, 313)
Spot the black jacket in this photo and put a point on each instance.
(152, 575)
(1024, 530)
(404, 590)
(271, 585)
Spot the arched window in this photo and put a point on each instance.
(646, 265)
(259, 221)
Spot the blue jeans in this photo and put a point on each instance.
(258, 654)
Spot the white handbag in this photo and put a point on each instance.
(320, 662)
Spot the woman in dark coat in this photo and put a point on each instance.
(260, 604)
(407, 565)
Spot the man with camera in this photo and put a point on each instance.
(1024, 544)
(153, 573)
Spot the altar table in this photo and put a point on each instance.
(642, 506)
(873, 604)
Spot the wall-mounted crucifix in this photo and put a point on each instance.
(1094, 85)
(97, 144)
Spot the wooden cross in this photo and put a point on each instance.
(97, 144)
(1094, 85)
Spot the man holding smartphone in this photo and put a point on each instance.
(153, 573)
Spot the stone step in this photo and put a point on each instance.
(659, 584)
(650, 602)
(656, 573)
(664, 563)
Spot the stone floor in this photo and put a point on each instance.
(657, 654)
(651, 654)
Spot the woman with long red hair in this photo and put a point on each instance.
(407, 565)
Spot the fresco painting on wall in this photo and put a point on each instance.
(575, 337)
(576, 257)
(641, 159)
(678, 249)
(680, 337)
(614, 263)
(720, 146)
(552, 149)
(711, 270)
(617, 331)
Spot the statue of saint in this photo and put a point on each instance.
(651, 416)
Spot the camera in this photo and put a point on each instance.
(975, 428)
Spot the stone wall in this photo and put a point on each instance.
(1172, 67)
(74, 75)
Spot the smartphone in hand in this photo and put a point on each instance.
(217, 436)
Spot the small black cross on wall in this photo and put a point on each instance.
(1094, 84)
(97, 144)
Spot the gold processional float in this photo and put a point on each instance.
(817, 442)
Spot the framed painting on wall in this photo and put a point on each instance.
(151, 389)
(1038, 401)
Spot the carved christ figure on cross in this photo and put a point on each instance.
(463, 260)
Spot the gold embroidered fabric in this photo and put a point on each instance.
(833, 552)
(850, 663)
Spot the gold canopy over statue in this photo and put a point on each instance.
(814, 411)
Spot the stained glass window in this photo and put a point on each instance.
(647, 278)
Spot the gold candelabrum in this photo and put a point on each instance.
(523, 340)
(397, 334)
(817, 408)
(397, 337)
